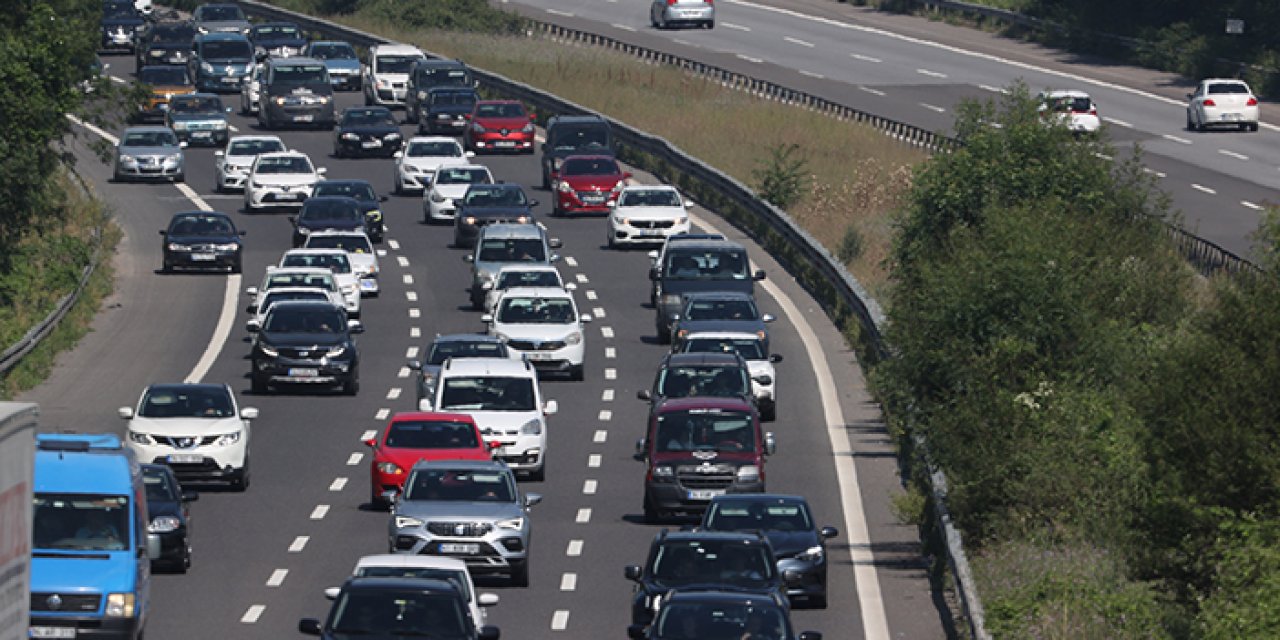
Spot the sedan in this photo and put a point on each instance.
(664, 14)
(170, 517)
(367, 131)
(198, 118)
(448, 184)
(416, 165)
(499, 125)
(645, 214)
(202, 240)
(586, 184)
(486, 204)
(410, 437)
(337, 262)
(231, 165)
(542, 323)
(1222, 103)
(280, 179)
(327, 212)
(370, 202)
(149, 153)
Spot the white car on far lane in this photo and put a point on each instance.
(422, 155)
(284, 178)
(232, 164)
(1073, 109)
(1222, 102)
(394, 565)
(364, 261)
(448, 185)
(647, 214)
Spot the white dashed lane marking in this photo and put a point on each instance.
(338, 484)
(591, 294)
(411, 296)
(610, 374)
(320, 512)
(749, 58)
(277, 577)
(369, 434)
(931, 74)
(571, 261)
(605, 415)
(589, 487)
(610, 353)
(581, 278)
(355, 458)
(393, 393)
(299, 543)
(1233, 154)
(404, 372)
(569, 582)
(859, 56)
(407, 278)
(600, 436)
(606, 332)
(874, 92)
(415, 312)
(395, 246)
(251, 616)
(1203, 189)
(1251, 205)
(382, 414)
(415, 332)
(1175, 139)
(575, 549)
(1158, 174)
(411, 352)
(597, 312)
(404, 262)
(382, 253)
(593, 460)
(606, 395)
(798, 41)
(560, 619)
(584, 516)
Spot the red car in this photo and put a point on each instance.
(586, 184)
(499, 125)
(410, 437)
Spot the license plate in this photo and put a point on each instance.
(368, 285)
(287, 196)
(303, 373)
(459, 547)
(1231, 116)
(201, 134)
(372, 144)
(202, 257)
(52, 632)
(185, 458)
(230, 80)
(704, 494)
(539, 356)
(306, 117)
(592, 199)
(505, 143)
(443, 116)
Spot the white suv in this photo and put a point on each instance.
(233, 163)
(196, 429)
(336, 261)
(503, 397)
(542, 323)
(386, 73)
(312, 277)
(359, 250)
(280, 179)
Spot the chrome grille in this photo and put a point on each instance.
(70, 603)
(185, 442)
(713, 476)
(529, 345)
(460, 529)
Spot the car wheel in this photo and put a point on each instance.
(241, 481)
(258, 385)
(664, 335)
(578, 373)
(237, 266)
(352, 385)
(769, 413)
(520, 575)
(817, 602)
(181, 177)
(1253, 127)
(167, 267)
(651, 513)
(710, 24)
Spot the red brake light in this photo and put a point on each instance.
(1208, 102)
(708, 1)
(1253, 102)
(671, 2)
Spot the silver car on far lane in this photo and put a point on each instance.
(664, 14)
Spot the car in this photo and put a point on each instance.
(167, 42)
(499, 125)
(448, 184)
(1222, 102)
(502, 244)
(231, 165)
(398, 608)
(220, 62)
(724, 311)
(799, 545)
(198, 118)
(410, 437)
(296, 92)
(504, 398)
(306, 343)
(454, 345)
(645, 214)
(394, 565)
(163, 82)
(278, 179)
(709, 560)
(145, 7)
(251, 91)
(327, 212)
(586, 184)
(121, 26)
(386, 73)
(444, 110)
(700, 447)
(277, 39)
(1073, 109)
(466, 509)
(170, 517)
(289, 278)
(659, 256)
(522, 275)
(336, 261)
(341, 61)
(197, 429)
(684, 375)
(220, 18)
(202, 240)
(149, 153)
(752, 349)
(543, 323)
(368, 199)
(430, 73)
(262, 304)
(359, 250)
(420, 159)
(484, 204)
(367, 131)
(695, 266)
(711, 613)
(573, 135)
(665, 14)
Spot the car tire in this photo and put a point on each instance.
(258, 385)
(351, 386)
(578, 373)
(520, 574)
(240, 482)
(651, 513)
(817, 602)
(181, 177)
(237, 266)
(166, 267)
(664, 336)
(710, 24)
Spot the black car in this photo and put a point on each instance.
(398, 608)
(165, 43)
(306, 343)
(202, 240)
(454, 345)
(572, 136)
(698, 614)
(430, 73)
(367, 131)
(170, 518)
(121, 26)
(798, 544)
(683, 375)
(363, 192)
(721, 311)
(486, 204)
(690, 266)
(277, 39)
(732, 561)
(445, 110)
(327, 212)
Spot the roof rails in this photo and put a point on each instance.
(78, 442)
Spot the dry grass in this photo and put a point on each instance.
(859, 176)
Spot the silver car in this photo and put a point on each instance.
(467, 509)
(664, 14)
(149, 153)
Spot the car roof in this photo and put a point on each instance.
(511, 230)
(451, 88)
(472, 465)
(400, 584)
(698, 244)
(746, 537)
(309, 305)
(580, 119)
(527, 267)
(303, 270)
(780, 498)
(591, 156)
(719, 295)
(284, 154)
(105, 468)
(279, 23)
(431, 416)
(407, 560)
(700, 359)
(717, 596)
(724, 403)
(292, 60)
(505, 367)
(494, 186)
(397, 49)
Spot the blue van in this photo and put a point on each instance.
(91, 552)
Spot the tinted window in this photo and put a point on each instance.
(196, 104)
(441, 351)
(432, 435)
(318, 280)
(581, 137)
(650, 198)
(81, 522)
(1228, 87)
(348, 243)
(447, 148)
(277, 31)
(150, 139)
(500, 110)
(201, 225)
(463, 485)
(513, 250)
(453, 175)
(590, 167)
(358, 190)
(226, 49)
(284, 320)
(464, 98)
(716, 381)
(748, 348)
(367, 117)
(335, 262)
(488, 393)
(173, 33)
(329, 210)
(540, 278)
(694, 621)
(118, 10)
(707, 265)
(395, 64)
(743, 515)
(293, 75)
(220, 13)
(383, 614)
(521, 310)
(284, 164)
(700, 430)
(448, 76)
(163, 76)
(457, 578)
(254, 147)
(186, 402)
(333, 51)
(280, 296)
(712, 561)
(159, 487)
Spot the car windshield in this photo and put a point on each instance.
(429, 77)
(431, 434)
(277, 31)
(226, 50)
(284, 164)
(318, 280)
(221, 13)
(367, 118)
(512, 250)
(348, 243)
(362, 191)
(539, 278)
(500, 110)
(488, 393)
(649, 198)
(746, 515)
(332, 51)
(485, 197)
(382, 613)
(464, 98)
(254, 147)
(445, 349)
(336, 261)
(461, 485)
(168, 33)
(296, 75)
(445, 148)
(457, 578)
(590, 167)
(150, 139)
(706, 265)
(280, 296)
(720, 310)
(201, 225)
(319, 320)
(705, 430)
(159, 487)
(196, 104)
(748, 348)
(450, 175)
(593, 137)
(187, 402)
(118, 10)
(522, 310)
(395, 64)
(696, 621)
(330, 210)
(80, 522)
(164, 76)
(729, 562)
(718, 381)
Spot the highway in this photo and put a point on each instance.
(262, 558)
(917, 71)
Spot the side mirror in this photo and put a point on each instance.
(309, 626)
(397, 155)
(332, 592)
(829, 532)
(768, 317)
(372, 443)
(551, 407)
(531, 499)
(253, 291)
(688, 204)
(555, 243)
(183, 144)
(765, 379)
(585, 318)
(190, 496)
(487, 599)
(469, 258)
(253, 326)
(322, 170)
(249, 413)
(414, 365)
(424, 404)
(219, 153)
(653, 255)
(354, 326)
(533, 203)
(775, 357)
(644, 394)
(487, 318)
(632, 572)
(770, 444)
(759, 274)
(125, 412)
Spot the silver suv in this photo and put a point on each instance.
(466, 509)
(502, 244)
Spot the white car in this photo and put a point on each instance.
(522, 275)
(751, 347)
(503, 397)
(453, 570)
(543, 323)
(421, 157)
(231, 165)
(385, 73)
(359, 251)
(337, 262)
(449, 184)
(278, 294)
(197, 429)
(1073, 109)
(284, 178)
(311, 277)
(1221, 102)
(251, 91)
(645, 214)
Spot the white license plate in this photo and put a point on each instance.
(185, 458)
(287, 196)
(303, 373)
(1230, 117)
(51, 632)
(592, 199)
(368, 285)
(202, 257)
(704, 494)
(459, 547)
(535, 355)
(306, 117)
(442, 116)
(505, 143)
(230, 80)
(372, 144)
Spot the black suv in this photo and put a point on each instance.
(696, 266)
(736, 561)
(166, 43)
(445, 110)
(368, 199)
(572, 136)
(328, 212)
(306, 343)
(488, 204)
(121, 25)
(719, 614)
(427, 74)
(398, 608)
(201, 240)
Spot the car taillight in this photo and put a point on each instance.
(1210, 103)
(671, 3)
(708, 1)
(1253, 102)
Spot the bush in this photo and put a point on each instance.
(781, 179)
(851, 244)
(1243, 603)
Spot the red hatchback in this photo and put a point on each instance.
(587, 184)
(499, 125)
(410, 437)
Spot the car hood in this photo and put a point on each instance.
(201, 239)
(511, 124)
(587, 183)
(197, 117)
(185, 426)
(452, 191)
(369, 130)
(430, 162)
(651, 213)
(317, 340)
(405, 458)
(500, 421)
(536, 332)
(790, 543)
(163, 508)
(72, 572)
(458, 510)
(150, 151)
(285, 179)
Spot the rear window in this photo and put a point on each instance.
(722, 264)
(1228, 87)
(432, 434)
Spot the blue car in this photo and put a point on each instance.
(341, 61)
(220, 62)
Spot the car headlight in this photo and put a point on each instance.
(422, 95)
(226, 247)
(528, 128)
(175, 158)
(671, 299)
(812, 554)
(564, 187)
(391, 136)
(335, 352)
(471, 220)
(391, 468)
(206, 67)
(748, 473)
(306, 231)
(682, 220)
(404, 522)
(164, 524)
(268, 351)
(173, 246)
(128, 159)
(227, 439)
(323, 100)
(524, 219)
(383, 83)
(374, 215)
(120, 605)
(437, 198)
(663, 471)
(574, 338)
(156, 53)
(531, 428)
(221, 124)
(350, 136)
(512, 523)
(280, 100)
(139, 437)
